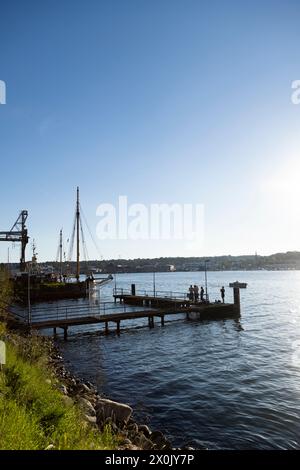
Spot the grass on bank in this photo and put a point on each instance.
(34, 414)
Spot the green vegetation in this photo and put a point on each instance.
(34, 414)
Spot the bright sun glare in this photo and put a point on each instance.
(285, 182)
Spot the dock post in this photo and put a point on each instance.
(162, 320)
(151, 322)
(133, 289)
(54, 331)
(65, 333)
(187, 315)
(106, 327)
(118, 327)
(236, 294)
(236, 298)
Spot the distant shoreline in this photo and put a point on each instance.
(190, 271)
(289, 261)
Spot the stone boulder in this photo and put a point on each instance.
(145, 430)
(118, 412)
(86, 406)
(143, 442)
(160, 441)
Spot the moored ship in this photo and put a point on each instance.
(35, 284)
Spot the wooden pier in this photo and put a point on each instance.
(212, 311)
(133, 305)
(178, 300)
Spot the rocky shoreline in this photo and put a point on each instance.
(99, 411)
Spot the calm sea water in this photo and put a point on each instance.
(216, 384)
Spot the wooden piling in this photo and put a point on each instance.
(118, 327)
(65, 333)
(236, 294)
(236, 298)
(106, 327)
(162, 318)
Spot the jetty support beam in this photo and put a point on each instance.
(65, 333)
(236, 294)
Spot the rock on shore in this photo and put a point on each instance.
(100, 411)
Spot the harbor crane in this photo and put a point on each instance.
(18, 233)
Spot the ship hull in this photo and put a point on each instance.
(48, 292)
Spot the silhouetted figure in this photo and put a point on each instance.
(202, 294)
(191, 293)
(196, 293)
(222, 294)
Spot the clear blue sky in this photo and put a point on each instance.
(162, 101)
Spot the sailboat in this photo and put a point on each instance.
(50, 286)
(77, 229)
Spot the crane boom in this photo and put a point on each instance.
(18, 233)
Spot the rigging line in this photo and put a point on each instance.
(91, 235)
(57, 253)
(64, 250)
(70, 254)
(84, 247)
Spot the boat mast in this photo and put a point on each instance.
(60, 253)
(77, 239)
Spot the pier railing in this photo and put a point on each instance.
(97, 309)
(160, 294)
(7, 310)
(163, 294)
(68, 312)
(65, 313)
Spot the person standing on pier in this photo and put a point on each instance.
(196, 293)
(202, 294)
(191, 293)
(223, 294)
